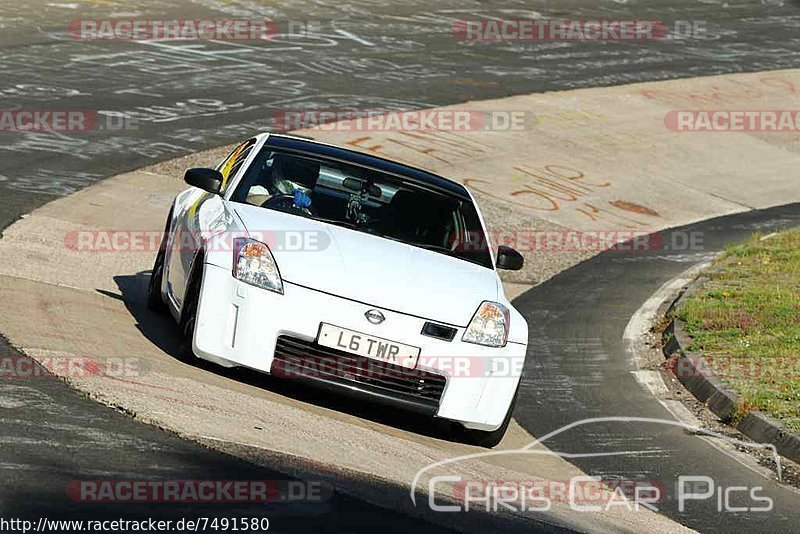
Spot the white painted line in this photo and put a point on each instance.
(645, 316)
(652, 381)
(681, 413)
(684, 415)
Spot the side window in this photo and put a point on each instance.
(231, 165)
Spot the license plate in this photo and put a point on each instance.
(369, 346)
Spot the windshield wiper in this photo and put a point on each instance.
(351, 226)
(437, 248)
(426, 246)
(449, 252)
(336, 222)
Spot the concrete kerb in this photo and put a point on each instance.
(714, 393)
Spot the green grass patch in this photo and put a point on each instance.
(746, 322)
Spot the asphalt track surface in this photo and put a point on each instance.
(577, 368)
(184, 97)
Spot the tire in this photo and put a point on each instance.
(188, 319)
(154, 299)
(492, 438)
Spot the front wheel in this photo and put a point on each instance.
(154, 299)
(188, 318)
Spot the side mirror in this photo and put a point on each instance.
(509, 259)
(206, 179)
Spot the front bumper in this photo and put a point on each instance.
(238, 324)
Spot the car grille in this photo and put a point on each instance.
(305, 359)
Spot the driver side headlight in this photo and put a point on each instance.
(253, 264)
(489, 326)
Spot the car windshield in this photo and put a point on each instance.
(365, 200)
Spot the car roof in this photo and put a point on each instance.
(413, 174)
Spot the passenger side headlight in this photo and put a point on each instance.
(253, 264)
(489, 325)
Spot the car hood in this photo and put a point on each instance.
(376, 271)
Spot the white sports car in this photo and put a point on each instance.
(307, 260)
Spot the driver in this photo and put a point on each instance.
(280, 176)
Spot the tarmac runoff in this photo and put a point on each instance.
(627, 169)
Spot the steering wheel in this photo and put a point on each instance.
(285, 202)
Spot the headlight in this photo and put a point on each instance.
(253, 264)
(489, 325)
